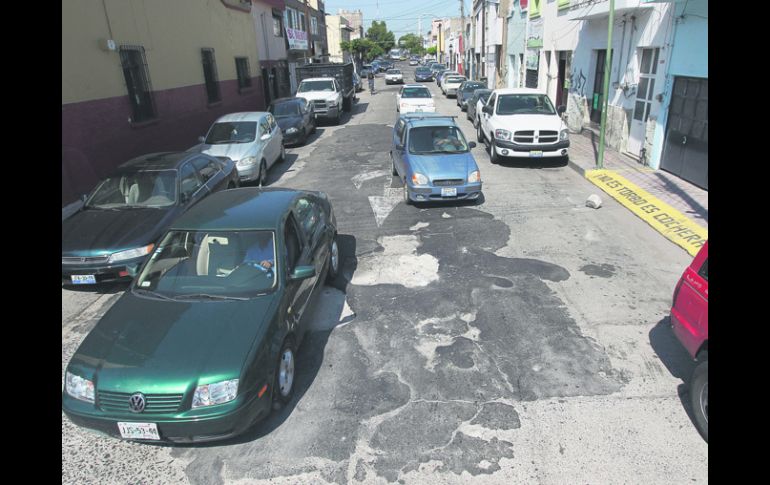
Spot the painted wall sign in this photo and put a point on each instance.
(674, 225)
(297, 39)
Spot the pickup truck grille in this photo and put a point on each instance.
(76, 260)
(447, 182)
(528, 136)
(319, 103)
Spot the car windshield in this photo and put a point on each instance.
(531, 104)
(208, 265)
(393, 71)
(232, 132)
(283, 110)
(439, 67)
(436, 139)
(147, 188)
(472, 86)
(422, 70)
(306, 86)
(415, 93)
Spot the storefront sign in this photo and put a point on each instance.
(297, 39)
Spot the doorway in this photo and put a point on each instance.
(685, 149)
(597, 102)
(562, 91)
(648, 68)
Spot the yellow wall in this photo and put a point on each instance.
(172, 33)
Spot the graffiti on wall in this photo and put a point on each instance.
(577, 83)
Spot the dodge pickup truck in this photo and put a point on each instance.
(328, 87)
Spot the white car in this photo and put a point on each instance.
(325, 94)
(394, 76)
(440, 78)
(449, 84)
(253, 140)
(415, 98)
(413, 62)
(522, 122)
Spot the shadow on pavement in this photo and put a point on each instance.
(101, 288)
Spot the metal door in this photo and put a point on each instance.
(645, 89)
(685, 150)
(597, 102)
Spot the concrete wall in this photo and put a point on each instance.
(688, 57)
(269, 46)
(97, 134)
(515, 42)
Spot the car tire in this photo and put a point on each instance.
(285, 375)
(407, 200)
(334, 261)
(699, 392)
(282, 155)
(493, 156)
(315, 125)
(393, 166)
(479, 133)
(262, 178)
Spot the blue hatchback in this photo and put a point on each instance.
(432, 158)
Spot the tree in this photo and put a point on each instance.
(412, 43)
(379, 34)
(432, 50)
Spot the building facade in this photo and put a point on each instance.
(487, 40)
(271, 48)
(135, 80)
(514, 43)
(338, 31)
(355, 21)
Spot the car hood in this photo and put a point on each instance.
(530, 122)
(159, 346)
(289, 122)
(235, 151)
(94, 232)
(318, 95)
(457, 165)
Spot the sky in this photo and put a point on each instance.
(400, 16)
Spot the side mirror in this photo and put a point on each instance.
(472, 144)
(561, 109)
(302, 273)
(201, 139)
(84, 198)
(185, 197)
(399, 146)
(487, 109)
(265, 137)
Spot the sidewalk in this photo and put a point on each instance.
(674, 194)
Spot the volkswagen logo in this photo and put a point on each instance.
(136, 402)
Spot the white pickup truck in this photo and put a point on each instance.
(325, 94)
(522, 122)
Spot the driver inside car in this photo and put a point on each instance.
(260, 253)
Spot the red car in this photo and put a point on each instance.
(690, 323)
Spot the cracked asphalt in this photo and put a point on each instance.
(523, 339)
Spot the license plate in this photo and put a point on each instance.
(83, 279)
(139, 431)
(448, 192)
(536, 153)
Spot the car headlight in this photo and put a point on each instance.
(564, 135)
(244, 162)
(333, 102)
(291, 130)
(503, 134)
(474, 177)
(216, 393)
(130, 253)
(79, 387)
(419, 179)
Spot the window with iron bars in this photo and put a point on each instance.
(137, 77)
(242, 68)
(210, 75)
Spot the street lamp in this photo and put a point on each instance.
(451, 57)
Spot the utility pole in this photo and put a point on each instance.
(605, 101)
(483, 40)
(461, 46)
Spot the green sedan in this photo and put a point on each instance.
(203, 344)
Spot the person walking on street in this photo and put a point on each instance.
(370, 76)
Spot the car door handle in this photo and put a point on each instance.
(684, 140)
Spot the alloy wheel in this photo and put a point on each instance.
(286, 372)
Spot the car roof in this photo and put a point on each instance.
(428, 119)
(244, 208)
(157, 161)
(518, 91)
(318, 79)
(414, 85)
(243, 116)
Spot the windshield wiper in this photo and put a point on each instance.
(206, 296)
(155, 294)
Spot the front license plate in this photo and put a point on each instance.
(139, 431)
(83, 279)
(536, 153)
(448, 192)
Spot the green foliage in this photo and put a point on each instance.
(379, 34)
(432, 50)
(412, 42)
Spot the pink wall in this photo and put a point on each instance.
(97, 137)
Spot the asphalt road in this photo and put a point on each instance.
(523, 339)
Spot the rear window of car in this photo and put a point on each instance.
(393, 71)
(472, 86)
(415, 93)
(455, 79)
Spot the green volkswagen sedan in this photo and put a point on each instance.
(204, 341)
